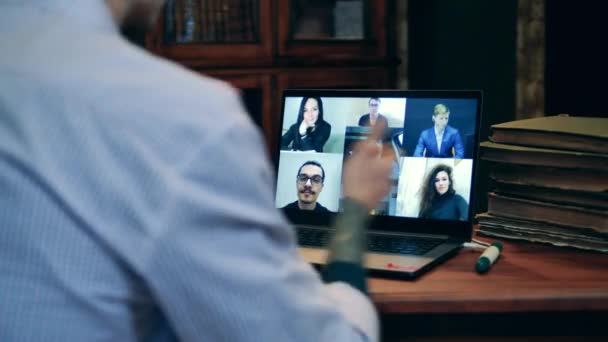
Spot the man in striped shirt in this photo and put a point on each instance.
(126, 214)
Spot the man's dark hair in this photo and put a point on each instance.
(373, 98)
(315, 163)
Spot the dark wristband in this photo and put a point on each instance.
(348, 272)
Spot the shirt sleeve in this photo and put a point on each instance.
(458, 146)
(419, 146)
(361, 120)
(288, 137)
(226, 266)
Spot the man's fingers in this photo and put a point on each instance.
(371, 146)
(377, 133)
(367, 148)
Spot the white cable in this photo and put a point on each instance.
(487, 244)
(474, 245)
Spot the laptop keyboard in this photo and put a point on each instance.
(308, 237)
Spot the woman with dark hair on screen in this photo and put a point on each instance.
(310, 132)
(439, 199)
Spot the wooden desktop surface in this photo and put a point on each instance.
(530, 282)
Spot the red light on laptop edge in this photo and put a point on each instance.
(399, 267)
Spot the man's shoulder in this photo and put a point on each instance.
(320, 208)
(363, 119)
(125, 72)
(189, 85)
(451, 130)
(178, 96)
(292, 205)
(426, 133)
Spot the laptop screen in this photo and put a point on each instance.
(432, 137)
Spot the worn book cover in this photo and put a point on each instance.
(578, 179)
(513, 154)
(575, 133)
(540, 227)
(586, 199)
(537, 232)
(550, 213)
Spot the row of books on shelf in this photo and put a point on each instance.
(211, 21)
(548, 181)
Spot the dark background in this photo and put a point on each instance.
(576, 75)
(471, 44)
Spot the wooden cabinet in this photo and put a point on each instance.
(265, 46)
(215, 33)
(331, 29)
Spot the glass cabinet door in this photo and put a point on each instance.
(213, 31)
(332, 27)
(328, 19)
(211, 21)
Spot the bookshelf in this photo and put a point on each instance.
(265, 46)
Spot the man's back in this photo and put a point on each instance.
(118, 200)
(81, 168)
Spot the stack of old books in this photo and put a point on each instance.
(211, 21)
(549, 181)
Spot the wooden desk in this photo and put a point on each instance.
(532, 290)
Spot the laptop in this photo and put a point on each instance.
(427, 215)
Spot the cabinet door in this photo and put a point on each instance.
(214, 32)
(257, 95)
(332, 29)
(334, 78)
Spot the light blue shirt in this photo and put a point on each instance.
(136, 199)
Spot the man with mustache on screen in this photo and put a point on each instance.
(309, 184)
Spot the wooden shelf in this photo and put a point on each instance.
(276, 61)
